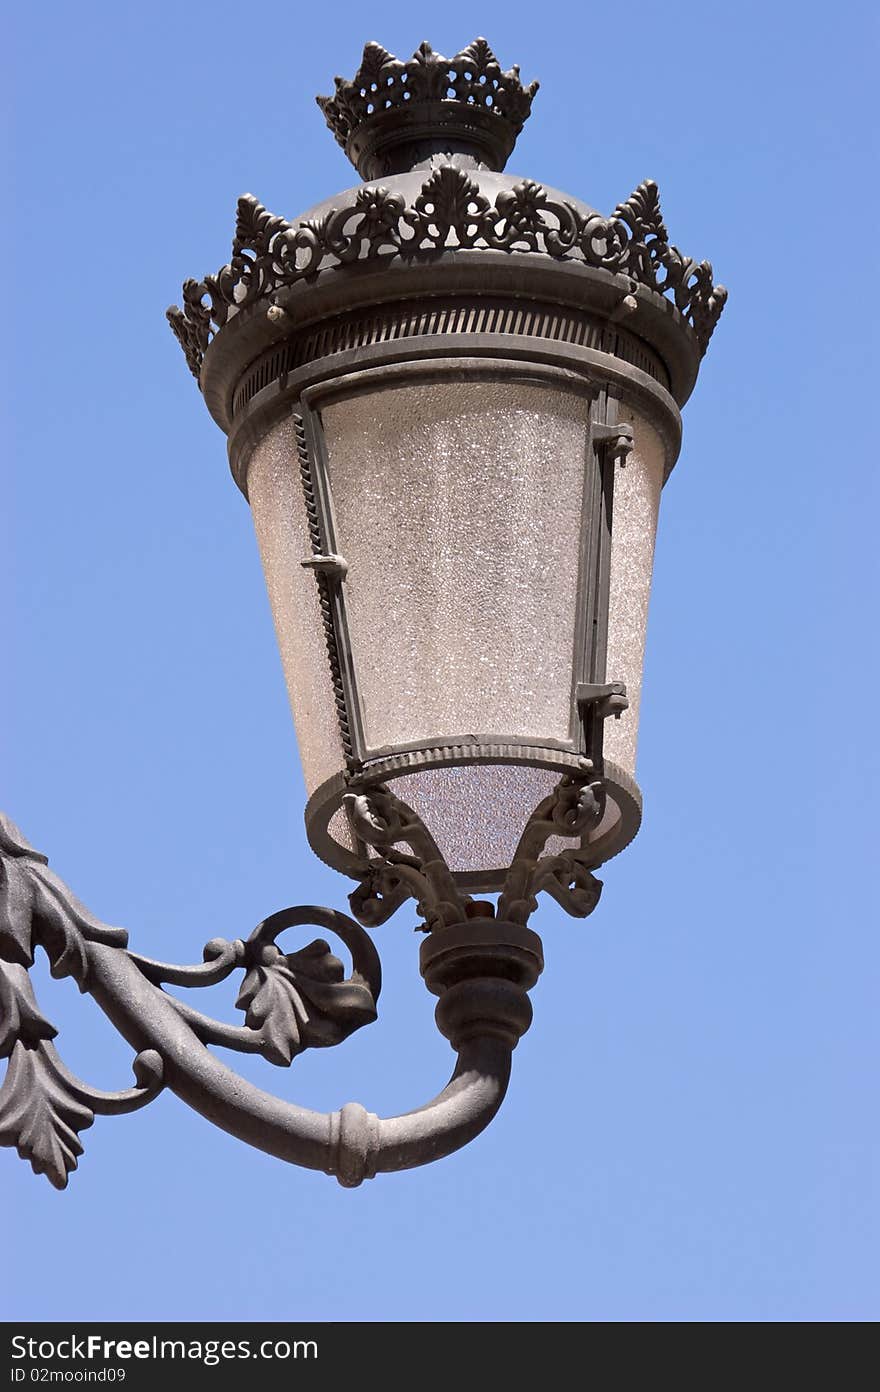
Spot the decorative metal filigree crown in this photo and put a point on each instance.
(472, 82)
(269, 254)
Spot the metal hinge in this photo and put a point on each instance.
(617, 439)
(608, 698)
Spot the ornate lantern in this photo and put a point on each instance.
(452, 398)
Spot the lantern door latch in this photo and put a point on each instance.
(617, 439)
(601, 699)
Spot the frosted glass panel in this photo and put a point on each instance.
(433, 486)
(637, 486)
(276, 498)
(477, 815)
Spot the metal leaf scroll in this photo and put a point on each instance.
(37, 907)
(20, 1016)
(382, 820)
(575, 805)
(43, 1107)
(40, 1116)
(301, 1000)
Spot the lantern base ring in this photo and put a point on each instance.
(324, 810)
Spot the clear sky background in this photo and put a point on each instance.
(691, 1131)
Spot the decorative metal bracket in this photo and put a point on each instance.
(385, 823)
(481, 966)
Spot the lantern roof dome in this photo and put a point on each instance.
(436, 216)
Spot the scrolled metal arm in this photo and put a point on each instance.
(352, 1143)
(480, 967)
(291, 1002)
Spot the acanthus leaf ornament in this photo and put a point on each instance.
(643, 224)
(21, 1019)
(43, 1107)
(40, 1116)
(302, 999)
(192, 335)
(517, 220)
(37, 908)
(450, 203)
(380, 226)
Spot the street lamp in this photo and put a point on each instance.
(452, 398)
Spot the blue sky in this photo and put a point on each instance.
(691, 1132)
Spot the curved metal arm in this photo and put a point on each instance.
(480, 967)
(481, 970)
(352, 1143)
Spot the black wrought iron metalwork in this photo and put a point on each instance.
(381, 820)
(292, 1001)
(473, 78)
(479, 964)
(450, 212)
(306, 327)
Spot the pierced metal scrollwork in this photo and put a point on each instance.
(385, 823)
(473, 76)
(573, 807)
(450, 211)
(380, 819)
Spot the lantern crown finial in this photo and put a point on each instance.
(393, 115)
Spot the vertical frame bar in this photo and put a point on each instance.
(595, 572)
(331, 586)
(591, 505)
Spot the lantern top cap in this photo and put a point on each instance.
(394, 115)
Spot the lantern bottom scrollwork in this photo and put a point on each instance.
(480, 965)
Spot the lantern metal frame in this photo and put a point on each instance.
(367, 765)
(526, 285)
